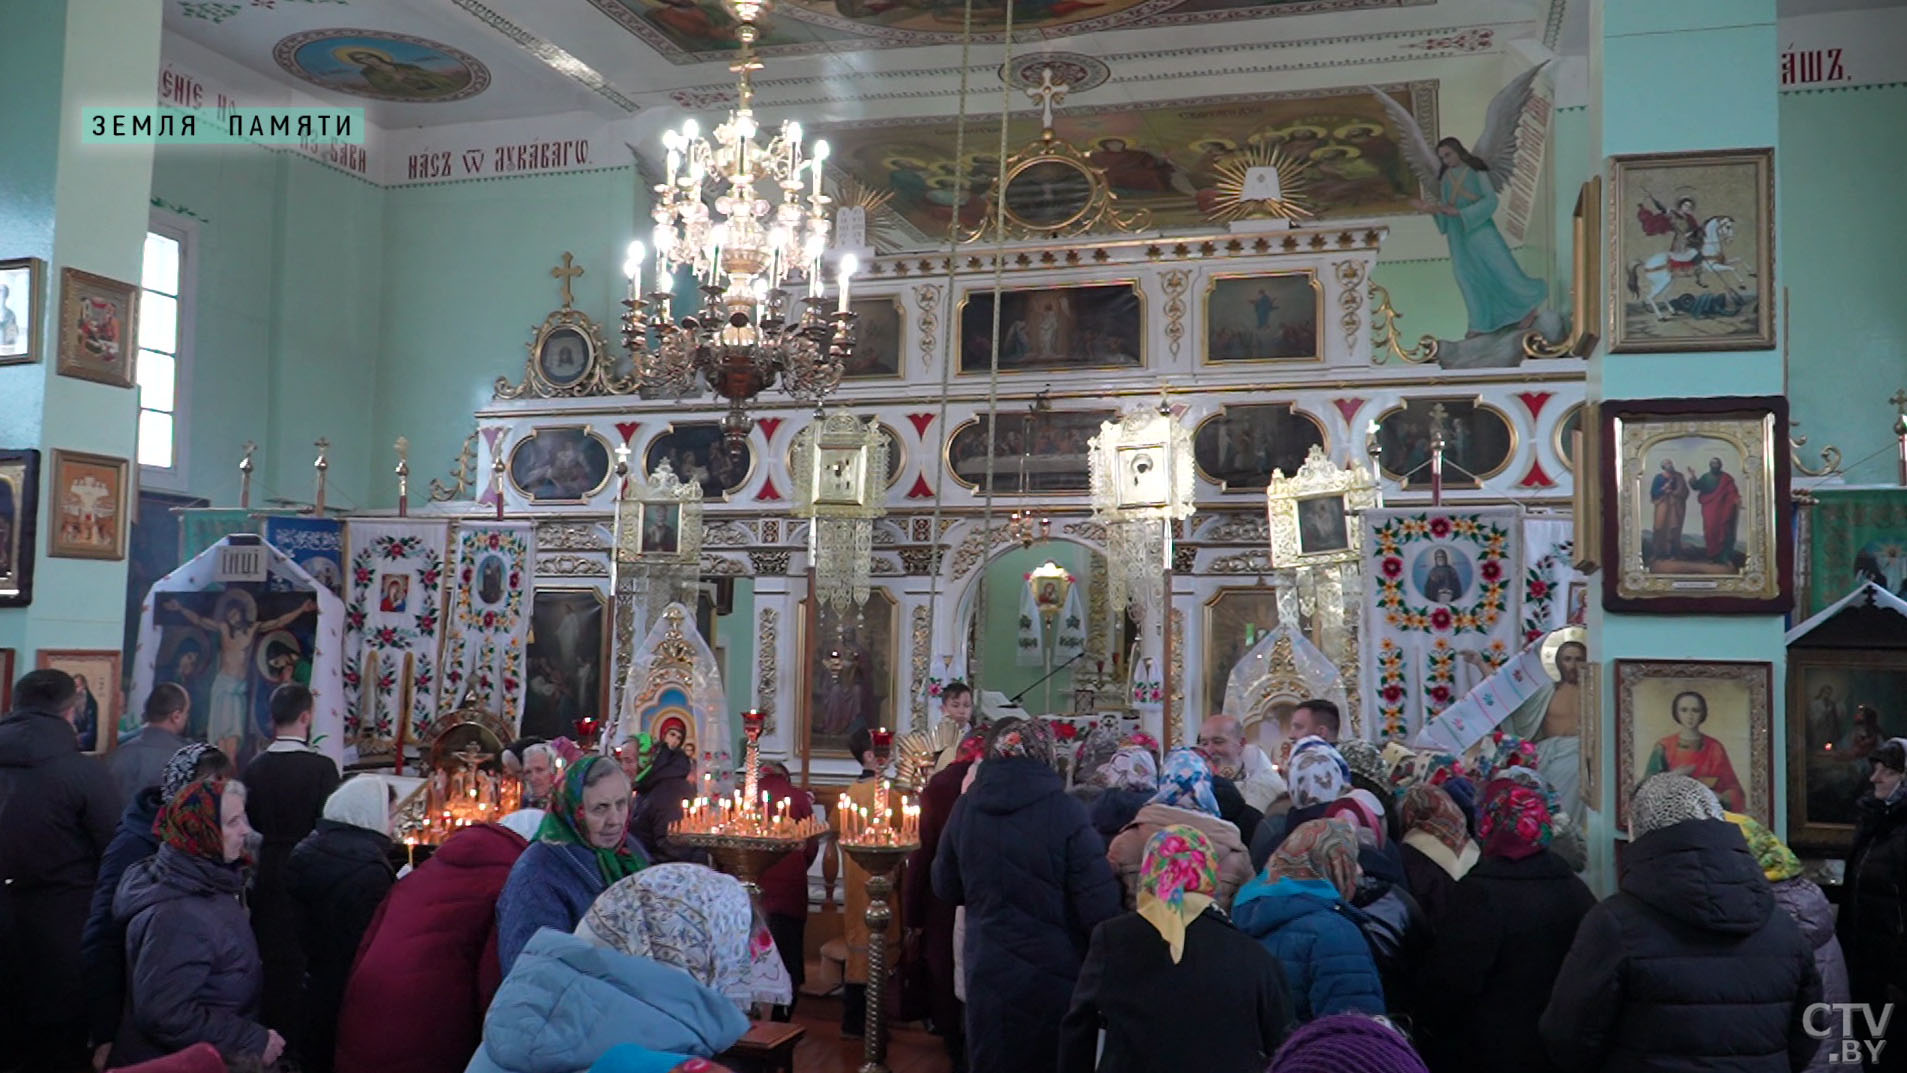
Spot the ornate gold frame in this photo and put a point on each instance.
(596, 379)
(1556, 435)
(754, 454)
(1324, 435)
(960, 314)
(66, 362)
(946, 456)
(1585, 491)
(896, 449)
(1205, 319)
(1476, 402)
(1101, 207)
(659, 487)
(1318, 478)
(607, 648)
(1209, 636)
(1586, 288)
(53, 505)
(900, 341)
(1758, 781)
(804, 723)
(509, 463)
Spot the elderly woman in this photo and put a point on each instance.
(1173, 971)
(1808, 905)
(1437, 848)
(1502, 939)
(1184, 798)
(1319, 776)
(1300, 910)
(192, 969)
(338, 876)
(1131, 778)
(668, 959)
(1021, 856)
(583, 846)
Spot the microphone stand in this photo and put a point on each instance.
(1077, 656)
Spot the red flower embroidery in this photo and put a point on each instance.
(1490, 570)
(1440, 694)
(1440, 619)
(1440, 527)
(1538, 589)
(1393, 567)
(1393, 694)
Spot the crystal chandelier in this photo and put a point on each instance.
(750, 220)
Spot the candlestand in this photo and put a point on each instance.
(743, 856)
(879, 862)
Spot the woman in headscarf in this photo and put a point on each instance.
(930, 919)
(1300, 910)
(1805, 902)
(103, 943)
(1370, 773)
(583, 846)
(192, 969)
(1172, 972)
(670, 959)
(1502, 940)
(1024, 860)
(1131, 778)
(1392, 921)
(433, 945)
(1319, 776)
(1095, 751)
(1184, 798)
(338, 876)
(1437, 848)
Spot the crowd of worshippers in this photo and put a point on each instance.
(1359, 909)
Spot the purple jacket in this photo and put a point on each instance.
(1812, 913)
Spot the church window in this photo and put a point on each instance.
(163, 323)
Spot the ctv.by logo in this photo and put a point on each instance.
(1818, 1021)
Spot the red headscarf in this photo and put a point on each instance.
(190, 822)
(1516, 821)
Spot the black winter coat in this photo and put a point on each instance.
(1115, 808)
(1690, 966)
(1500, 942)
(1272, 835)
(660, 797)
(337, 876)
(192, 965)
(1225, 1002)
(103, 945)
(1398, 934)
(1233, 809)
(1032, 872)
(1873, 921)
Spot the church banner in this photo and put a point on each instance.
(315, 544)
(489, 616)
(1855, 535)
(202, 527)
(394, 619)
(1554, 594)
(1444, 596)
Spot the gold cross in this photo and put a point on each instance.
(566, 272)
(323, 445)
(245, 464)
(1899, 400)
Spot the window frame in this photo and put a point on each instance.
(185, 231)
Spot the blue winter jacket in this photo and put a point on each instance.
(569, 1003)
(1318, 942)
(551, 886)
(103, 943)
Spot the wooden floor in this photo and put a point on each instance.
(910, 1049)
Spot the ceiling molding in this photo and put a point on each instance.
(549, 55)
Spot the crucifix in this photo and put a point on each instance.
(245, 477)
(1899, 400)
(1047, 95)
(322, 464)
(1437, 416)
(565, 272)
(403, 477)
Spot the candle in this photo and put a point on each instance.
(820, 155)
(632, 267)
(849, 264)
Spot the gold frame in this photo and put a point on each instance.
(1585, 288)
(606, 645)
(1585, 490)
(35, 329)
(509, 463)
(595, 380)
(960, 315)
(896, 449)
(1803, 833)
(900, 340)
(1556, 435)
(642, 517)
(1324, 437)
(1210, 648)
(1476, 402)
(804, 723)
(1762, 160)
(106, 732)
(69, 364)
(1758, 676)
(1318, 478)
(946, 455)
(1755, 438)
(1205, 319)
(56, 546)
(1102, 203)
(754, 456)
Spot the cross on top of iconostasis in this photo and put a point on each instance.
(565, 272)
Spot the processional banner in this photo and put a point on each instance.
(393, 628)
(1554, 594)
(1442, 608)
(315, 544)
(489, 617)
(1855, 535)
(202, 527)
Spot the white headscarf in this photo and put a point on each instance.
(362, 801)
(525, 822)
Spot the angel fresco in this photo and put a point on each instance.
(1497, 293)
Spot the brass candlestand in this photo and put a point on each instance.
(879, 862)
(742, 856)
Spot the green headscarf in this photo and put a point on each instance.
(563, 823)
(1777, 861)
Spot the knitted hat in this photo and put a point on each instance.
(1364, 759)
(1464, 793)
(1346, 1042)
(1668, 799)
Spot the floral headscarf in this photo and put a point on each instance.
(180, 769)
(1777, 861)
(1319, 774)
(1364, 760)
(1516, 820)
(1506, 751)
(1017, 736)
(1186, 782)
(971, 748)
(644, 745)
(697, 920)
(1430, 809)
(1403, 767)
(1439, 768)
(1318, 849)
(1178, 878)
(1131, 768)
(190, 823)
(563, 823)
(1362, 808)
(1098, 747)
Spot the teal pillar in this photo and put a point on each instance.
(82, 206)
(1653, 67)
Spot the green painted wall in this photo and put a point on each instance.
(1000, 631)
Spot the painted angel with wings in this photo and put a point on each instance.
(1496, 291)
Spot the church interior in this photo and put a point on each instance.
(742, 373)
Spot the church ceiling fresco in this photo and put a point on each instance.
(690, 31)
(1160, 158)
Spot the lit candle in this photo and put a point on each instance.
(820, 154)
(849, 265)
(632, 267)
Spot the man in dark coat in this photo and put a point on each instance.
(57, 813)
(660, 796)
(286, 789)
(1690, 965)
(338, 876)
(1025, 861)
(137, 762)
(930, 920)
(1873, 918)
